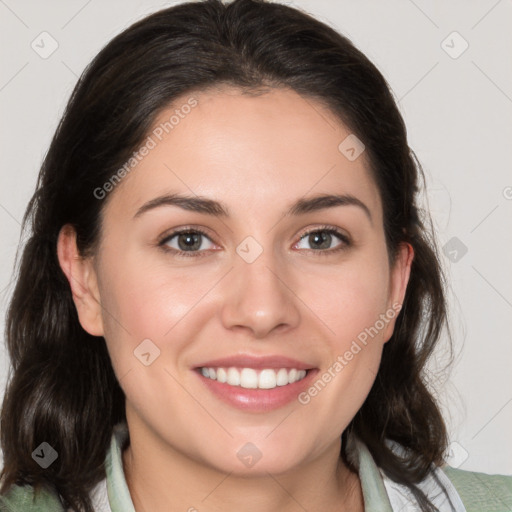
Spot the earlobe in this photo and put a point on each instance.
(82, 279)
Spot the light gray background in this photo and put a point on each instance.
(458, 113)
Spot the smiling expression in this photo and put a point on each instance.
(250, 252)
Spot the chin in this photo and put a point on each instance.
(247, 459)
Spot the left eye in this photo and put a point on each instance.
(322, 239)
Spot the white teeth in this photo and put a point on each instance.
(282, 377)
(222, 376)
(250, 378)
(233, 377)
(267, 379)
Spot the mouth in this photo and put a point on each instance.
(256, 384)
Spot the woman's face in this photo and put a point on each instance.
(268, 293)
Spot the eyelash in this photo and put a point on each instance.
(346, 242)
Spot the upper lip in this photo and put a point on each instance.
(256, 362)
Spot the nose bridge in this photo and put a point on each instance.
(258, 296)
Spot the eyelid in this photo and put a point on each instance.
(326, 227)
(171, 233)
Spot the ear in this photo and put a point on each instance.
(399, 279)
(83, 281)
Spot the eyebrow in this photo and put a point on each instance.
(218, 209)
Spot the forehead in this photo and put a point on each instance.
(255, 153)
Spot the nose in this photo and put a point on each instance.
(260, 298)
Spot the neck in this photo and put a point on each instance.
(161, 478)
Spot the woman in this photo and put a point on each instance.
(228, 297)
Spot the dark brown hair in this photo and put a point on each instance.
(62, 388)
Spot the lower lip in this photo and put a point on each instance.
(258, 400)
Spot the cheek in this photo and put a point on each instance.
(349, 299)
(350, 366)
(144, 298)
(352, 301)
(144, 302)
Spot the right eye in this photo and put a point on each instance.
(185, 242)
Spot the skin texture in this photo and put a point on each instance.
(257, 155)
